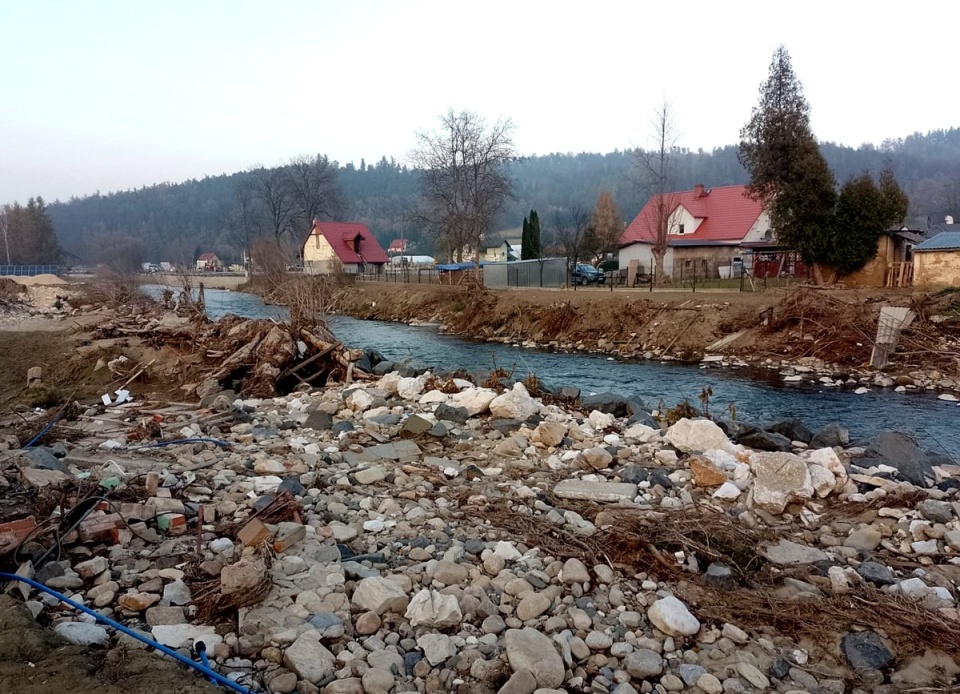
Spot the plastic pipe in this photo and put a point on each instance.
(204, 669)
(201, 648)
(222, 444)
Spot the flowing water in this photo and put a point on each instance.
(758, 395)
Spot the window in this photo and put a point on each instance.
(680, 229)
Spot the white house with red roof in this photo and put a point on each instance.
(208, 262)
(709, 230)
(350, 246)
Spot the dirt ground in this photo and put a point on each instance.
(33, 660)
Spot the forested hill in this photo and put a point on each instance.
(174, 221)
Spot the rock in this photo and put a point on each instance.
(533, 605)
(432, 609)
(705, 473)
(550, 434)
(450, 573)
(830, 436)
(474, 400)
(370, 475)
(414, 426)
(875, 573)
(92, 567)
(787, 553)
(779, 479)
(184, 635)
(899, 451)
(530, 650)
(822, 480)
(574, 571)
(727, 491)
(380, 595)
(377, 681)
(451, 413)
(752, 675)
(309, 658)
(243, 576)
(597, 458)
(159, 616)
(595, 491)
(672, 617)
(359, 400)
(319, 421)
(643, 663)
(931, 509)
(690, 673)
(761, 440)
(709, 684)
(610, 403)
(437, 648)
(82, 633)
(793, 429)
(866, 539)
(285, 683)
(137, 602)
(720, 576)
(176, 593)
(514, 404)
(410, 387)
(697, 435)
(865, 651)
(521, 682)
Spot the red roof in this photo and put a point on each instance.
(208, 256)
(340, 235)
(727, 215)
(398, 246)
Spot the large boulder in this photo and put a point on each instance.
(474, 400)
(514, 404)
(779, 478)
(761, 440)
(829, 436)
(309, 658)
(380, 595)
(611, 403)
(900, 451)
(531, 650)
(793, 429)
(697, 435)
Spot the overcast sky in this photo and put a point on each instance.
(113, 95)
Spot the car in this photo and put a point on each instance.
(584, 273)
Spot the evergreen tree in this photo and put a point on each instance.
(535, 243)
(864, 211)
(525, 241)
(788, 174)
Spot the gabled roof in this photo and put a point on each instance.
(208, 256)
(339, 234)
(945, 241)
(727, 214)
(398, 246)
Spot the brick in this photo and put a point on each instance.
(253, 533)
(14, 532)
(98, 528)
(136, 512)
(172, 523)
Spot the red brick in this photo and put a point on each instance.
(97, 528)
(14, 532)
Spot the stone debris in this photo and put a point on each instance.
(419, 533)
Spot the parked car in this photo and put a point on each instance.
(584, 273)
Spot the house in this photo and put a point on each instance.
(936, 262)
(398, 247)
(332, 246)
(891, 266)
(497, 249)
(208, 262)
(709, 233)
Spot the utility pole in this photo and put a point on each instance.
(3, 227)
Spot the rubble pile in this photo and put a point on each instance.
(395, 535)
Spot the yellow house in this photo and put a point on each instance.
(936, 262)
(346, 246)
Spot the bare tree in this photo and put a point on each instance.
(573, 232)
(463, 178)
(607, 226)
(656, 176)
(244, 224)
(272, 193)
(315, 189)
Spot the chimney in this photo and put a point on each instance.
(698, 191)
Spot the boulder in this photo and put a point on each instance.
(865, 651)
(793, 429)
(786, 553)
(474, 400)
(598, 458)
(550, 434)
(531, 650)
(761, 440)
(829, 436)
(82, 634)
(451, 413)
(380, 595)
(611, 403)
(779, 479)
(697, 435)
(672, 617)
(410, 388)
(705, 473)
(437, 648)
(309, 658)
(514, 404)
(899, 451)
(432, 609)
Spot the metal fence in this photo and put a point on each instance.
(28, 270)
(549, 272)
(401, 275)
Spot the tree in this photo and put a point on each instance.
(607, 226)
(315, 189)
(656, 172)
(572, 233)
(28, 236)
(464, 184)
(788, 174)
(531, 247)
(864, 211)
(272, 193)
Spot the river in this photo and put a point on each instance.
(758, 395)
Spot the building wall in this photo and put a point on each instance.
(681, 216)
(702, 260)
(874, 273)
(936, 269)
(758, 232)
(643, 252)
(318, 256)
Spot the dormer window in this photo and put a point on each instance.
(680, 229)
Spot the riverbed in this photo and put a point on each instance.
(757, 395)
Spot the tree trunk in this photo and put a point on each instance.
(658, 255)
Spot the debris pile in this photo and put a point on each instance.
(426, 533)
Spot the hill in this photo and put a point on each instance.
(174, 221)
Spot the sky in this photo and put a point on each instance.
(104, 96)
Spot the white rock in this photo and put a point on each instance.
(530, 650)
(506, 550)
(81, 633)
(672, 617)
(380, 595)
(727, 490)
(359, 400)
(689, 435)
(433, 396)
(184, 635)
(432, 609)
(642, 433)
(601, 420)
(473, 400)
(389, 383)
(779, 479)
(268, 483)
(409, 388)
(436, 648)
(514, 404)
(823, 480)
(309, 658)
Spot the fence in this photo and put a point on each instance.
(401, 275)
(550, 272)
(28, 270)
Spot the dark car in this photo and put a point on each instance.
(586, 274)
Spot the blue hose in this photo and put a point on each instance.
(201, 648)
(204, 669)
